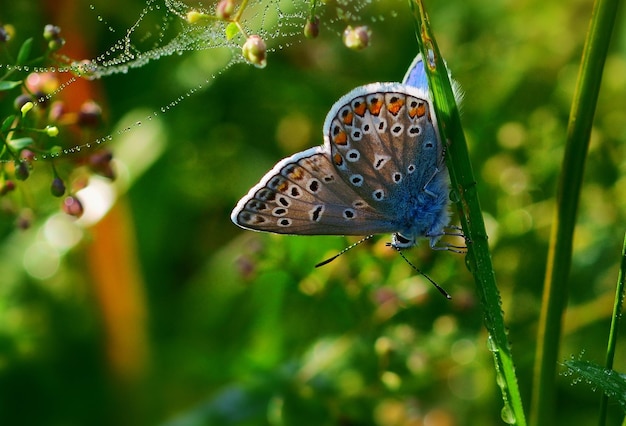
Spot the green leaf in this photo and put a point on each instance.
(6, 124)
(24, 52)
(231, 30)
(610, 382)
(8, 85)
(20, 143)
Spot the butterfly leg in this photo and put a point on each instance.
(428, 191)
(456, 232)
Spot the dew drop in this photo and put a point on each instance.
(507, 415)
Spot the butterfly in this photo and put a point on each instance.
(381, 169)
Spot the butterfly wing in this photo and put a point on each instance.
(416, 74)
(303, 194)
(383, 141)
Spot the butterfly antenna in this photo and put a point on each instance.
(437, 286)
(343, 251)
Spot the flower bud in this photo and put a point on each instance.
(27, 155)
(357, 38)
(57, 188)
(21, 170)
(194, 16)
(57, 109)
(90, 115)
(73, 206)
(22, 100)
(4, 34)
(100, 163)
(7, 186)
(52, 131)
(312, 27)
(255, 51)
(56, 44)
(25, 219)
(225, 9)
(26, 107)
(51, 32)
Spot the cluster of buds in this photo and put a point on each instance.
(5, 33)
(30, 134)
(52, 34)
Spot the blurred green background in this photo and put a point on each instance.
(164, 312)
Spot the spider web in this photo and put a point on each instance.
(279, 22)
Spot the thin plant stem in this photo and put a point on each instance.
(466, 199)
(617, 311)
(560, 250)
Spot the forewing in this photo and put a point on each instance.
(383, 141)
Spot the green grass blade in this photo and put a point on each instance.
(560, 252)
(617, 310)
(464, 188)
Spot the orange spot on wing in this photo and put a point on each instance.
(395, 105)
(283, 186)
(341, 138)
(359, 108)
(418, 111)
(375, 105)
(347, 118)
(337, 159)
(297, 174)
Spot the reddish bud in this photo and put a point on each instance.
(7, 186)
(255, 51)
(312, 27)
(27, 155)
(90, 115)
(100, 163)
(57, 109)
(225, 9)
(73, 206)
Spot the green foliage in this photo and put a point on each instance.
(205, 324)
